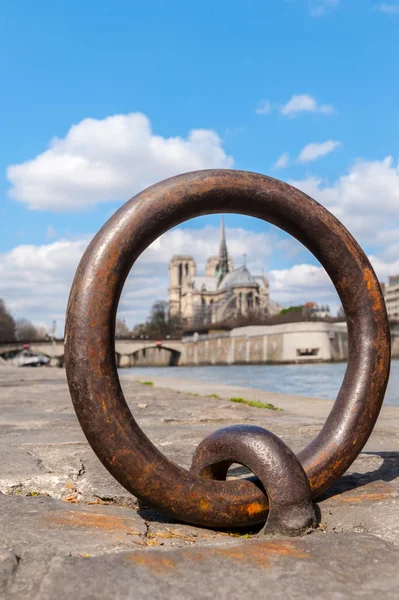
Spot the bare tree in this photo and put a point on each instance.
(7, 324)
(160, 323)
(25, 331)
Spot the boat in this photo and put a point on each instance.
(27, 358)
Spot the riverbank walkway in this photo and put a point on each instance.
(69, 530)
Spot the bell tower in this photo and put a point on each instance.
(181, 271)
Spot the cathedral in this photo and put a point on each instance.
(222, 293)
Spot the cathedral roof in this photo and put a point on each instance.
(240, 276)
(206, 282)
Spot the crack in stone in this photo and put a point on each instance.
(82, 470)
(147, 529)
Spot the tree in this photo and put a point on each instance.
(293, 314)
(160, 323)
(290, 309)
(25, 331)
(7, 324)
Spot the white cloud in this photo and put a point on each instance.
(36, 280)
(282, 162)
(388, 9)
(304, 103)
(316, 150)
(309, 153)
(302, 283)
(263, 108)
(365, 199)
(109, 160)
(310, 283)
(298, 103)
(383, 268)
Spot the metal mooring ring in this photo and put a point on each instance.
(291, 510)
(93, 380)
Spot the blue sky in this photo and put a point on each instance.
(308, 85)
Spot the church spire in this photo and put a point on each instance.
(223, 256)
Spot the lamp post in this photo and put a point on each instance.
(53, 330)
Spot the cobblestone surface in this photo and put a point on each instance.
(68, 529)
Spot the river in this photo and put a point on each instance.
(320, 380)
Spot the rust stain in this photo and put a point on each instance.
(373, 289)
(255, 508)
(365, 497)
(87, 520)
(153, 562)
(367, 493)
(336, 465)
(255, 552)
(260, 552)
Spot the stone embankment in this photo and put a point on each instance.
(309, 341)
(261, 344)
(69, 530)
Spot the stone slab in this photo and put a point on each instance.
(319, 566)
(68, 529)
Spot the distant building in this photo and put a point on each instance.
(391, 295)
(223, 292)
(313, 310)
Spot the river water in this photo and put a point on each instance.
(315, 380)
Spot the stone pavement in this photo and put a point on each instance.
(69, 530)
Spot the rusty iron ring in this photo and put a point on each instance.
(291, 510)
(93, 380)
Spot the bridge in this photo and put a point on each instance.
(128, 353)
(274, 344)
